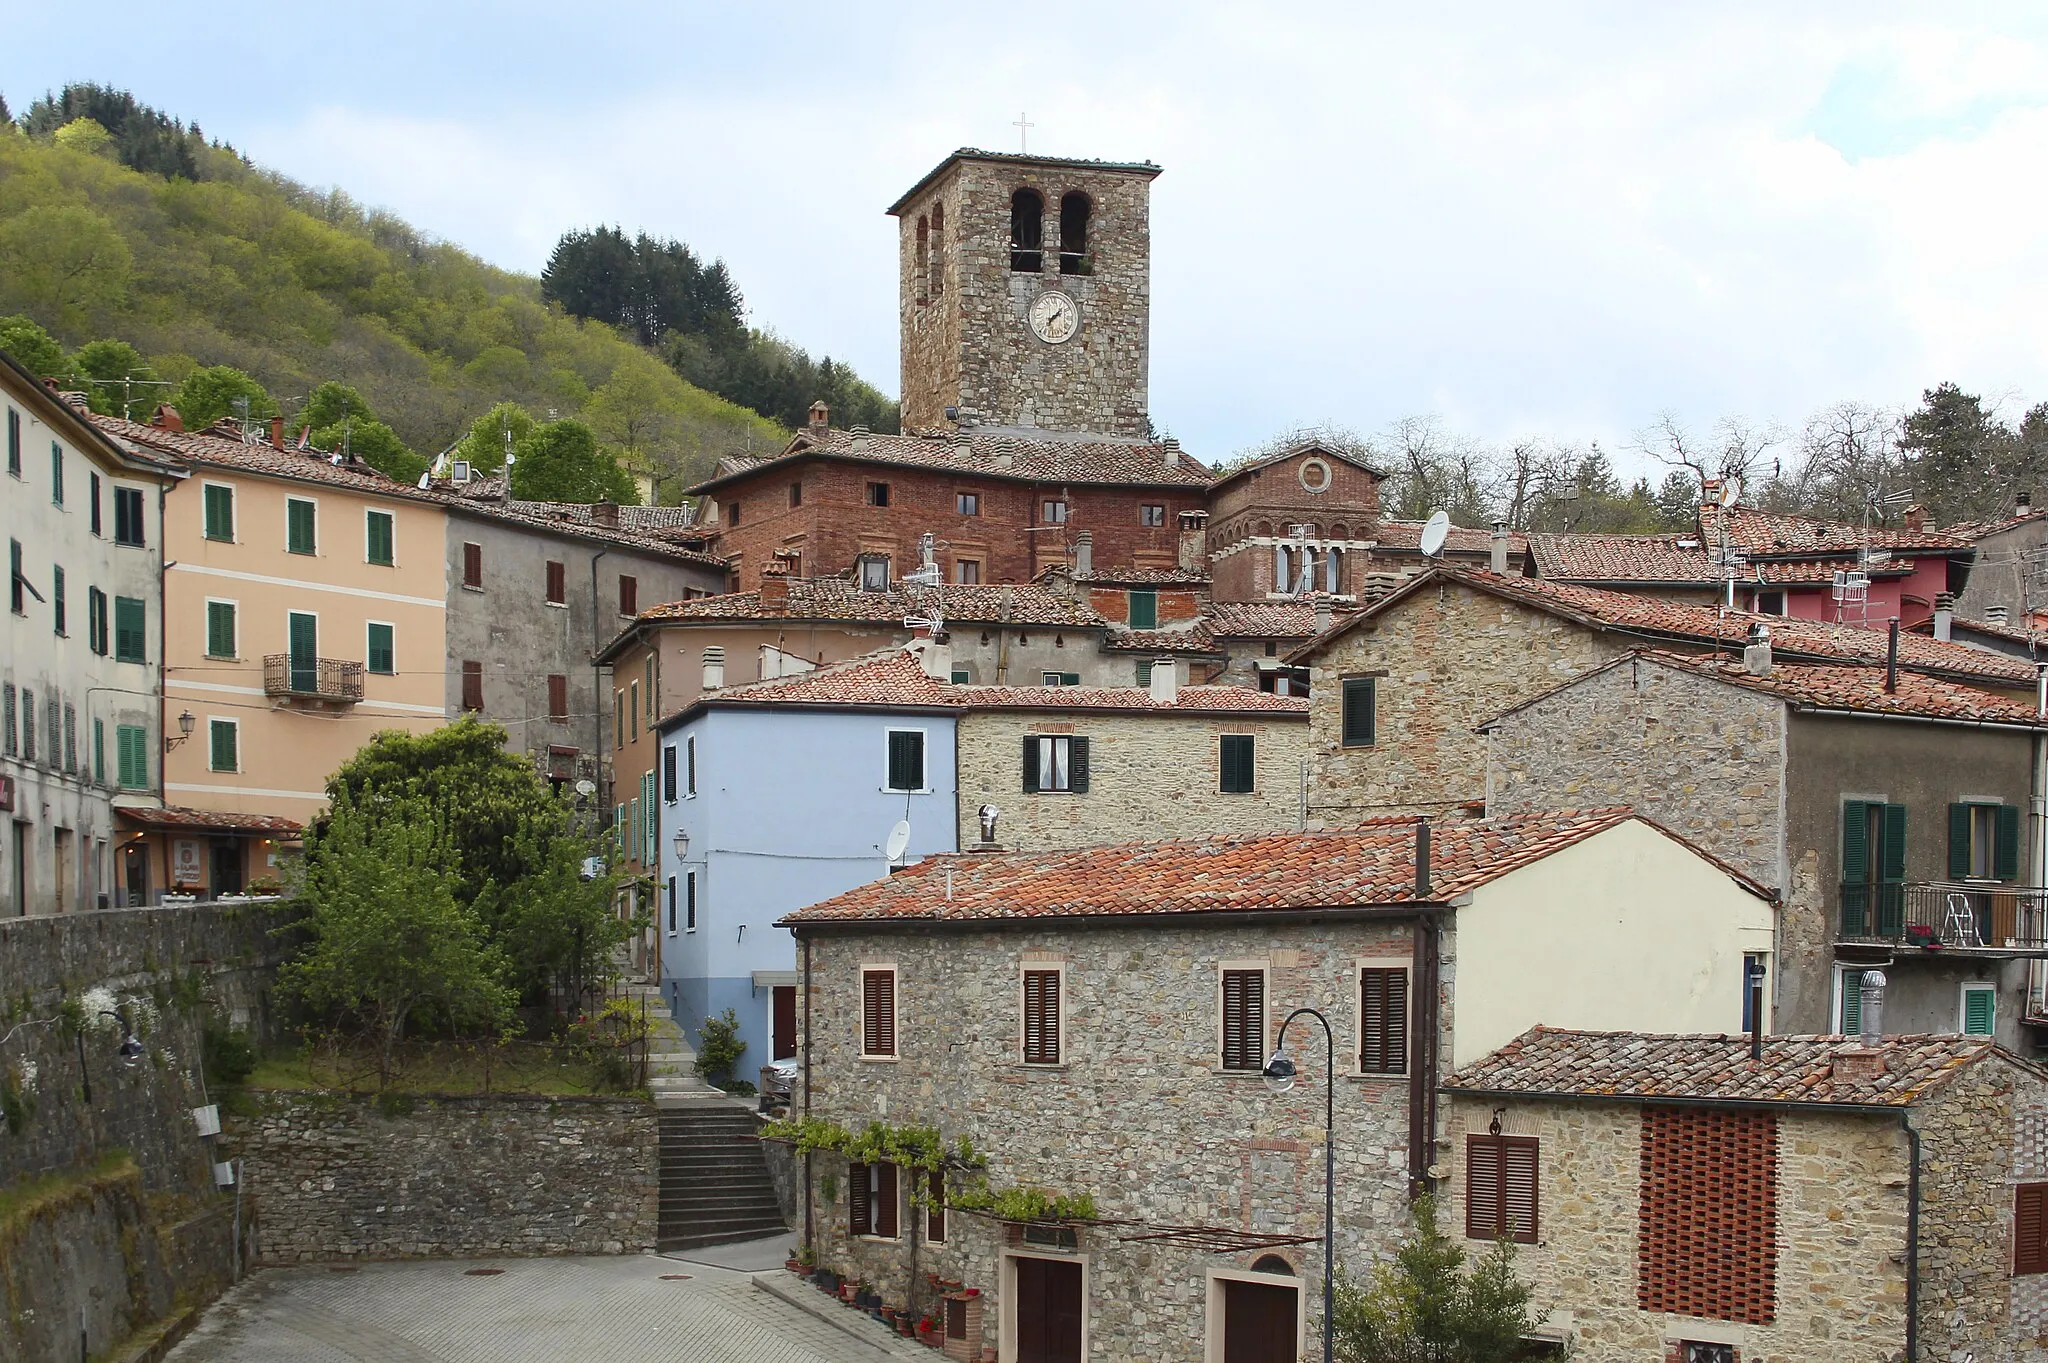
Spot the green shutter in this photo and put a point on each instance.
(1958, 841)
(220, 513)
(1980, 1010)
(223, 738)
(220, 629)
(131, 755)
(382, 650)
(1144, 610)
(1077, 766)
(1891, 907)
(99, 751)
(130, 630)
(298, 526)
(379, 536)
(1360, 711)
(1852, 1002)
(1030, 764)
(1237, 764)
(1145, 673)
(1856, 904)
(2005, 857)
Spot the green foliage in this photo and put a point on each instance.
(229, 1054)
(99, 367)
(32, 348)
(1024, 1204)
(485, 445)
(82, 134)
(140, 137)
(64, 262)
(1425, 1308)
(338, 418)
(719, 1048)
(561, 462)
(208, 394)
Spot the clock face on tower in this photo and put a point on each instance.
(1054, 317)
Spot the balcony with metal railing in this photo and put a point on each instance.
(1974, 918)
(332, 681)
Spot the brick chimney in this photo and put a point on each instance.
(605, 512)
(774, 588)
(166, 418)
(277, 433)
(821, 418)
(1194, 541)
(1916, 517)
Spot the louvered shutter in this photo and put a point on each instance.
(1041, 1017)
(2030, 1228)
(1958, 841)
(878, 1012)
(1359, 708)
(859, 1210)
(1030, 764)
(1980, 1011)
(1856, 906)
(1891, 909)
(1077, 768)
(1518, 1188)
(1482, 1188)
(1852, 1002)
(1244, 1010)
(2005, 859)
(472, 565)
(668, 774)
(1383, 1021)
(886, 1200)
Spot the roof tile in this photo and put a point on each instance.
(1052, 457)
(838, 598)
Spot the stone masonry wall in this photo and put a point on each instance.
(335, 1177)
(1447, 659)
(1150, 777)
(1841, 1286)
(1702, 757)
(1139, 1113)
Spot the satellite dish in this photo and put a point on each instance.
(1731, 492)
(899, 838)
(426, 478)
(586, 787)
(1434, 533)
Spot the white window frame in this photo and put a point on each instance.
(393, 627)
(1360, 964)
(925, 756)
(236, 725)
(1963, 993)
(368, 512)
(860, 1011)
(1039, 745)
(235, 516)
(206, 642)
(313, 502)
(1264, 965)
(1059, 968)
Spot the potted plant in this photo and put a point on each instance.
(795, 1262)
(1923, 935)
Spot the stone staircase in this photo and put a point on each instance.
(714, 1181)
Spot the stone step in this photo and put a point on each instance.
(679, 1214)
(723, 1234)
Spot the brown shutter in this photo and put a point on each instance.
(878, 1012)
(1518, 1188)
(558, 583)
(935, 1207)
(859, 1213)
(472, 565)
(1482, 1188)
(629, 595)
(558, 698)
(886, 1201)
(1244, 1012)
(1383, 1021)
(472, 686)
(2030, 1228)
(1041, 1017)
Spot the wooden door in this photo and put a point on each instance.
(1048, 1311)
(1259, 1322)
(785, 1022)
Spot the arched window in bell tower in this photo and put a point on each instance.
(936, 278)
(1027, 231)
(924, 258)
(1074, 209)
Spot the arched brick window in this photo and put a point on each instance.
(924, 257)
(1027, 231)
(1074, 210)
(936, 277)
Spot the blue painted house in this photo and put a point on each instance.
(781, 793)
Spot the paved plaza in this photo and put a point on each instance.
(625, 1309)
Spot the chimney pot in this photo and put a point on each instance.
(1996, 615)
(1870, 997)
(167, 418)
(1165, 683)
(1500, 549)
(1422, 886)
(1084, 553)
(774, 593)
(2024, 503)
(714, 667)
(1170, 450)
(821, 417)
(277, 433)
(1756, 653)
(1325, 615)
(1916, 517)
(1945, 614)
(605, 512)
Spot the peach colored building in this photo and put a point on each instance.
(304, 611)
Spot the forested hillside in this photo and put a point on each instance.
(117, 224)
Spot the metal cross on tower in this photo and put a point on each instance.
(1023, 126)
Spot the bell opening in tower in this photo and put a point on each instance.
(1027, 232)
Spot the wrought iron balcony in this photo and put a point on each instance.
(1973, 917)
(295, 677)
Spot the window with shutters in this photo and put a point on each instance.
(128, 516)
(1707, 1236)
(689, 901)
(17, 580)
(93, 488)
(98, 626)
(99, 752)
(219, 510)
(1979, 1012)
(633, 711)
(1143, 608)
(1244, 1017)
(690, 765)
(618, 718)
(878, 1012)
(300, 528)
(131, 757)
(860, 1201)
(2030, 1229)
(1873, 883)
(472, 685)
(1361, 706)
(131, 630)
(1983, 842)
(874, 1194)
(59, 617)
(558, 698)
(70, 738)
(14, 442)
(668, 773)
(1500, 1188)
(380, 653)
(1383, 1020)
(473, 566)
(671, 906)
(221, 632)
(1849, 1000)
(53, 713)
(557, 583)
(8, 746)
(1055, 764)
(1236, 765)
(28, 725)
(1059, 679)
(56, 474)
(380, 538)
(647, 679)
(629, 595)
(906, 760)
(224, 745)
(935, 1206)
(1042, 1016)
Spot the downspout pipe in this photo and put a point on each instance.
(810, 1229)
(596, 678)
(1912, 1238)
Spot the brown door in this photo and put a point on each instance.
(1048, 1311)
(1258, 1322)
(785, 1021)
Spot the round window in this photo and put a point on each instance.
(1315, 475)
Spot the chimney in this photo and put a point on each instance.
(961, 447)
(1996, 615)
(1710, 492)
(1165, 683)
(1891, 659)
(1916, 517)
(2023, 504)
(821, 417)
(1325, 615)
(1422, 890)
(1756, 652)
(936, 658)
(1500, 549)
(277, 433)
(1084, 553)
(167, 418)
(774, 593)
(714, 667)
(1169, 450)
(1945, 614)
(1753, 969)
(1871, 1010)
(605, 512)
(1194, 541)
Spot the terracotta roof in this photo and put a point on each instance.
(1977, 530)
(1296, 451)
(171, 816)
(1196, 638)
(2011, 633)
(1398, 536)
(1792, 639)
(561, 518)
(1639, 1066)
(1758, 533)
(1189, 699)
(633, 519)
(1133, 577)
(838, 598)
(1266, 619)
(1052, 457)
(1371, 865)
(309, 466)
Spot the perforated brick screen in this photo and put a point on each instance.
(1708, 1243)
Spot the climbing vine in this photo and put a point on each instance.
(922, 1147)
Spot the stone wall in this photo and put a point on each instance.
(1150, 776)
(343, 1177)
(1447, 658)
(1139, 1114)
(1841, 1212)
(1250, 516)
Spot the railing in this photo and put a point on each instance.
(295, 675)
(1937, 915)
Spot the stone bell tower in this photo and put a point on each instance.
(1026, 294)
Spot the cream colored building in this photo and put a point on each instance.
(82, 644)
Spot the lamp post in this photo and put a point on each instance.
(1280, 1075)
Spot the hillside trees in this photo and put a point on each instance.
(560, 462)
(208, 394)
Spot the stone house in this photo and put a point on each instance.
(2003, 584)
(1885, 815)
(1672, 1197)
(1094, 1021)
(1398, 688)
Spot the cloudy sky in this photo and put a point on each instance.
(1530, 219)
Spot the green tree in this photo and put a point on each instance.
(390, 941)
(99, 367)
(562, 463)
(336, 416)
(63, 261)
(32, 348)
(84, 135)
(1425, 1308)
(485, 444)
(1956, 454)
(209, 394)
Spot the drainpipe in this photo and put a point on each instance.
(163, 700)
(810, 1239)
(596, 676)
(1422, 1077)
(1912, 1238)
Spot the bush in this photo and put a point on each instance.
(719, 1048)
(1423, 1306)
(230, 1055)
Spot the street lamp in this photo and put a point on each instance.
(1280, 1073)
(682, 844)
(186, 723)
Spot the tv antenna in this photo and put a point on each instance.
(928, 606)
